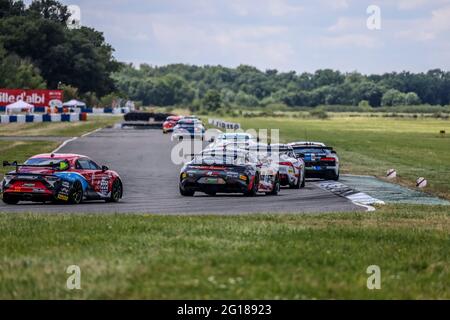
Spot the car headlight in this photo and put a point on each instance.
(183, 175)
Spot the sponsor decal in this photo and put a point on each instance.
(39, 98)
(63, 193)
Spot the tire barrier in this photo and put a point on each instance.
(146, 116)
(36, 118)
(224, 125)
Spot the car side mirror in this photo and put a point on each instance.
(333, 152)
(105, 168)
(212, 140)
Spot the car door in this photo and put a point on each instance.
(100, 180)
(83, 167)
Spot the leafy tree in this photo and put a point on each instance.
(412, 99)
(393, 97)
(50, 10)
(69, 92)
(19, 73)
(11, 8)
(212, 100)
(80, 57)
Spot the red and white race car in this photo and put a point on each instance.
(170, 123)
(290, 167)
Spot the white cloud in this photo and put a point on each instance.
(348, 24)
(415, 4)
(349, 41)
(262, 46)
(424, 29)
(275, 8)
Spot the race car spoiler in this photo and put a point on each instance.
(54, 166)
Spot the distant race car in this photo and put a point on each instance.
(170, 123)
(291, 167)
(230, 171)
(320, 161)
(69, 178)
(188, 128)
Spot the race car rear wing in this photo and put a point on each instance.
(53, 166)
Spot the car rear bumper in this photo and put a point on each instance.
(322, 173)
(32, 197)
(231, 186)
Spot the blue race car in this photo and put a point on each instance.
(320, 161)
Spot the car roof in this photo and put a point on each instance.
(307, 144)
(59, 156)
(189, 121)
(235, 135)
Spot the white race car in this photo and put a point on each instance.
(290, 167)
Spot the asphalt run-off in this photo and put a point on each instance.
(143, 159)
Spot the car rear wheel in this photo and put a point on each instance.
(116, 191)
(76, 195)
(335, 176)
(254, 189)
(297, 185)
(276, 188)
(10, 200)
(187, 193)
(303, 181)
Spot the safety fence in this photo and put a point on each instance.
(64, 110)
(36, 118)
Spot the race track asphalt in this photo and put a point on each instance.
(143, 159)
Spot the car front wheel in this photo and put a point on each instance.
(187, 193)
(116, 191)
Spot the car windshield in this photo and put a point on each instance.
(306, 150)
(58, 164)
(216, 159)
(227, 157)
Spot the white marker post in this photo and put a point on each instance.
(391, 174)
(421, 183)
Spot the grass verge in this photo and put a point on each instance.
(245, 257)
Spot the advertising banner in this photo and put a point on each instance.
(38, 98)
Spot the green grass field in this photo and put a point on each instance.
(371, 146)
(246, 257)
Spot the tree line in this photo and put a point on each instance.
(215, 86)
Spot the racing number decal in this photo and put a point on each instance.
(104, 186)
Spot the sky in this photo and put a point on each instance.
(276, 34)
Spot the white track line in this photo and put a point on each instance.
(75, 138)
